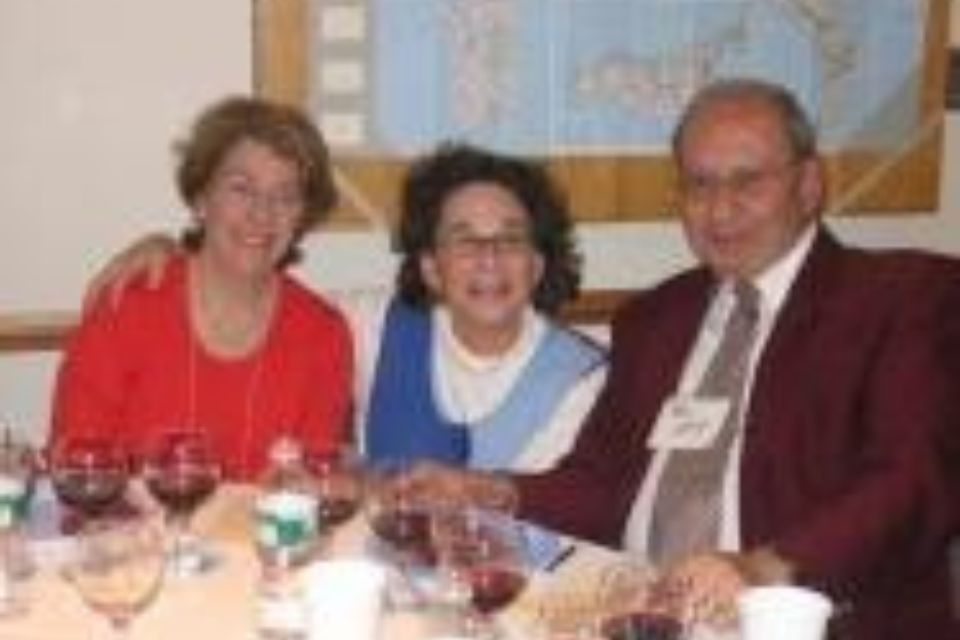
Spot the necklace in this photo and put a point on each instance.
(230, 328)
(255, 366)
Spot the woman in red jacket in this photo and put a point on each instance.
(229, 343)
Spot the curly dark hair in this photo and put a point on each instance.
(287, 131)
(452, 165)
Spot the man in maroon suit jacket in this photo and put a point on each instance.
(842, 474)
(841, 478)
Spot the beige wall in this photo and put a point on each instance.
(93, 93)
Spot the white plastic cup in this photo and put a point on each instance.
(344, 598)
(783, 612)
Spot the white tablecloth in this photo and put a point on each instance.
(221, 604)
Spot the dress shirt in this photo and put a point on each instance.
(773, 285)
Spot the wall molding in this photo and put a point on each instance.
(47, 331)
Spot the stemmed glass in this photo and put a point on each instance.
(117, 566)
(632, 605)
(89, 476)
(399, 520)
(401, 526)
(483, 557)
(339, 487)
(181, 473)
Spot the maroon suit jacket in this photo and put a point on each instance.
(851, 426)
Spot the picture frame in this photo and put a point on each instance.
(620, 187)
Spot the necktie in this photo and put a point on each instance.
(686, 509)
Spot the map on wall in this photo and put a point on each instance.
(596, 86)
(600, 76)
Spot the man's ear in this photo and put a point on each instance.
(813, 185)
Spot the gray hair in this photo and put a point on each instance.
(799, 131)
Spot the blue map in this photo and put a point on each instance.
(554, 77)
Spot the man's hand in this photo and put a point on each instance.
(444, 486)
(146, 257)
(708, 584)
(704, 587)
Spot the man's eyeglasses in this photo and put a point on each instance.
(740, 183)
(466, 245)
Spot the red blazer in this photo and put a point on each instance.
(853, 418)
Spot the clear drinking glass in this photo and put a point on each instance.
(181, 472)
(117, 567)
(17, 474)
(400, 522)
(482, 555)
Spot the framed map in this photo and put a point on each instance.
(594, 87)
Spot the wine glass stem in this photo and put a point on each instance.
(180, 528)
(478, 624)
(120, 625)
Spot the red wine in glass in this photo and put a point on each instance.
(641, 625)
(400, 521)
(339, 489)
(182, 491)
(492, 588)
(89, 477)
(91, 491)
(181, 473)
(405, 529)
(483, 554)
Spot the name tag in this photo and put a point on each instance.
(688, 422)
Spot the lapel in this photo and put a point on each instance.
(672, 341)
(784, 364)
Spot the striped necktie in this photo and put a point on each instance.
(687, 507)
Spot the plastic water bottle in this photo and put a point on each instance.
(15, 562)
(286, 537)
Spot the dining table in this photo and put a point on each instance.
(222, 602)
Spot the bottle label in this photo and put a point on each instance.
(13, 502)
(285, 520)
(281, 614)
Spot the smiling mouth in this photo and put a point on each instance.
(488, 290)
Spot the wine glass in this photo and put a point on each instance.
(338, 486)
(632, 605)
(89, 476)
(400, 521)
(483, 558)
(117, 566)
(642, 625)
(181, 473)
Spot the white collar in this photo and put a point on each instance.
(459, 355)
(776, 280)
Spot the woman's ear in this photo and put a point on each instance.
(430, 271)
(198, 210)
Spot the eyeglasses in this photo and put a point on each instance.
(238, 191)
(742, 183)
(466, 245)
